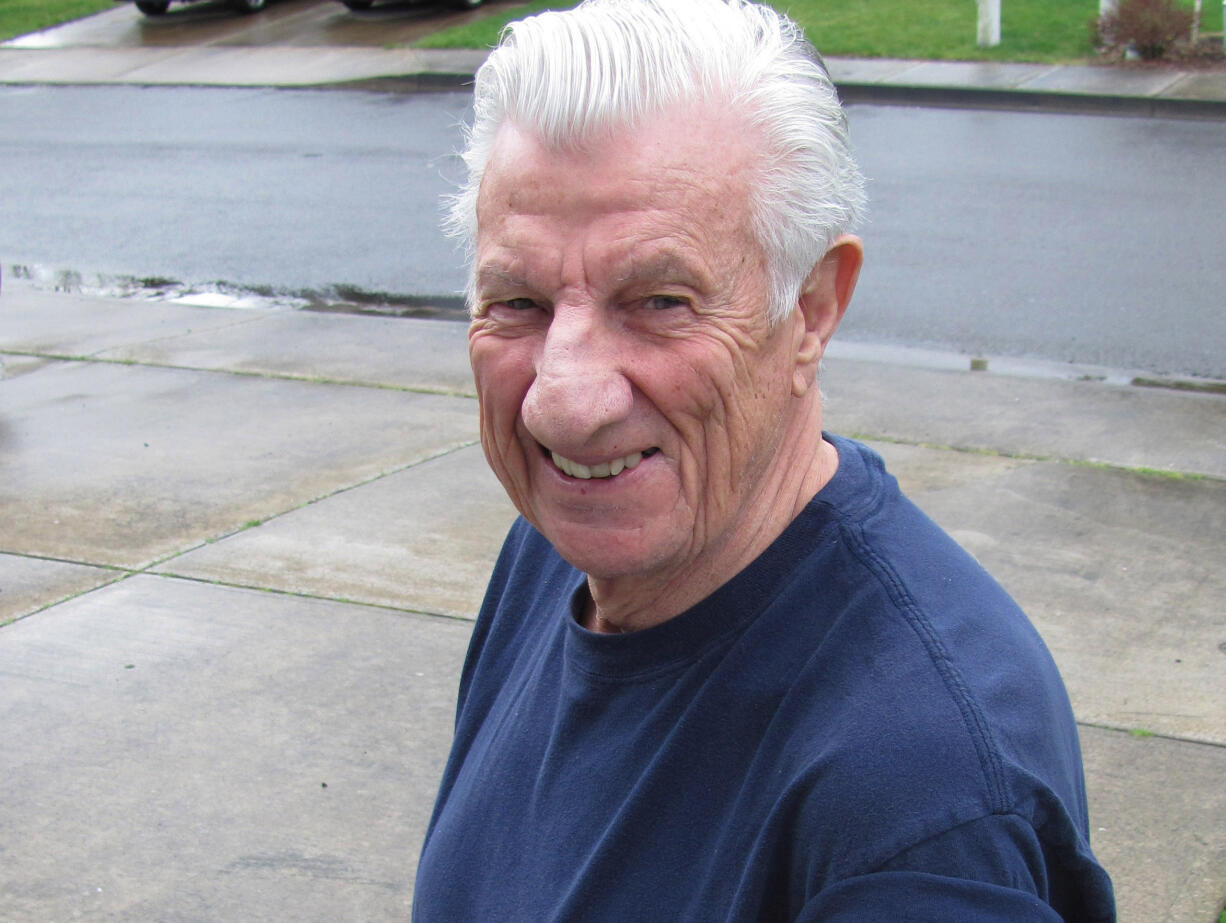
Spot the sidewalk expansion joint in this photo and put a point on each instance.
(256, 523)
(301, 594)
(440, 453)
(244, 373)
(54, 559)
(1036, 457)
(119, 574)
(1145, 734)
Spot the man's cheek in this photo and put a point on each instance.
(508, 462)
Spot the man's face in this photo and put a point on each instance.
(635, 403)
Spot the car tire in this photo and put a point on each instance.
(248, 6)
(153, 7)
(358, 5)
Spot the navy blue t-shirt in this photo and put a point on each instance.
(861, 725)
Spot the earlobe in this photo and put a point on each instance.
(823, 300)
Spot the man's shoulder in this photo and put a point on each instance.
(892, 559)
(933, 680)
(910, 722)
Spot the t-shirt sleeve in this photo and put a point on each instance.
(993, 868)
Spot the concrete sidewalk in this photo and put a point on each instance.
(240, 550)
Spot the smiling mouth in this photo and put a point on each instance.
(607, 469)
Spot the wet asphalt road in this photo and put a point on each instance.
(260, 187)
(1083, 239)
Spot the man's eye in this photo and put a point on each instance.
(519, 304)
(505, 306)
(663, 302)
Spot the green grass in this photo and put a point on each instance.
(1031, 30)
(484, 32)
(17, 17)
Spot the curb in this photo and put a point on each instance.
(885, 95)
(850, 93)
(422, 82)
(1030, 101)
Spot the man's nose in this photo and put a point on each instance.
(580, 386)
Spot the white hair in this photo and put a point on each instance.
(568, 77)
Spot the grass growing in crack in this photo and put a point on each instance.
(1139, 470)
(1034, 457)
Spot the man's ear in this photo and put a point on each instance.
(823, 299)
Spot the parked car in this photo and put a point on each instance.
(159, 7)
(359, 5)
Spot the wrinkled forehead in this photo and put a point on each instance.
(696, 158)
(667, 202)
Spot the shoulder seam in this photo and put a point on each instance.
(972, 716)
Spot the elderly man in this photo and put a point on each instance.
(724, 670)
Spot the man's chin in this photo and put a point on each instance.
(606, 554)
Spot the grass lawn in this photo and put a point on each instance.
(17, 17)
(1031, 30)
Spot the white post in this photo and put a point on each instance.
(989, 23)
(1110, 6)
(1196, 23)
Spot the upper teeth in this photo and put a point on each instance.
(603, 470)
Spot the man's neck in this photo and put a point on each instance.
(623, 604)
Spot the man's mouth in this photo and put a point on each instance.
(606, 469)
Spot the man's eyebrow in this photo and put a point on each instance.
(493, 275)
(661, 267)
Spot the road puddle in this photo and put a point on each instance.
(334, 299)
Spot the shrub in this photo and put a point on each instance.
(1151, 27)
